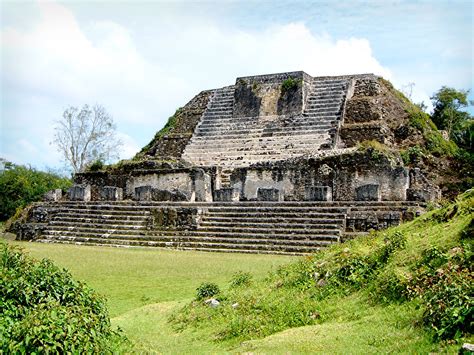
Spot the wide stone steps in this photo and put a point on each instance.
(217, 248)
(286, 227)
(290, 129)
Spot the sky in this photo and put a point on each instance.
(142, 60)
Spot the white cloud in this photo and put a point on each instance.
(60, 63)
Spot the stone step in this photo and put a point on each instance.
(252, 122)
(283, 223)
(255, 230)
(240, 204)
(295, 146)
(257, 239)
(332, 236)
(197, 244)
(57, 224)
(94, 218)
(106, 211)
(213, 250)
(315, 128)
(243, 135)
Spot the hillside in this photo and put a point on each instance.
(408, 288)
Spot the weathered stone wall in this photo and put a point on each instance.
(373, 112)
(340, 177)
(171, 181)
(260, 96)
(171, 145)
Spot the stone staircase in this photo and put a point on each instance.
(227, 141)
(325, 104)
(244, 227)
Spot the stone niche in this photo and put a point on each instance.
(149, 193)
(111, 193)
(268, 194)
(174, 218)
(178, 186)
(202, 186)
(53, 195)
(227, 194)
(318, 193)
(269, 95)
(369, 192)
(80, 193)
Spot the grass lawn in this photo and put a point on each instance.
(144, 286)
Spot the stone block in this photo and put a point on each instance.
(369, 192)
(80, 193)
(111, 193)
(227, 194)
(143, 193)
(319, 193)
(53, 195)
(268, 194)
(168, 195)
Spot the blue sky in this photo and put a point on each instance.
(143, 59)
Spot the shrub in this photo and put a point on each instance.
(96, 165)
(206, 290)
(412, 155)
(241, 279)
(20, 186)
(447, 295)
(290, 84)
(45, 310)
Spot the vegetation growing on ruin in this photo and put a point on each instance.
(421, 270)
(290, 84)
(167, 128)
(378, 150)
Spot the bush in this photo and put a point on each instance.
(241, 279)
(290, 84)
(207, 290)
(45, 310)
(96, 166)
(445, 285)
(20, 186)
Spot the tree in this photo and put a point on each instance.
(84, 136)
(20, 185)
(447, 113)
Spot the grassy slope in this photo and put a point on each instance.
(349, 318)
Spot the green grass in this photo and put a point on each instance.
(132, 278)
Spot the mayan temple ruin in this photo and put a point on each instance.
(281, 163)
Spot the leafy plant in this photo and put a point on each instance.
(241, 279)
(290, 84)
(207, 290)
(45, 310)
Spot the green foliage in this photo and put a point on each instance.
(45, 310)
(290, 84)
(206, 290)
(412, 155)
(168, 127)
(447, 114)
(96, 165)
(20, 185)
(435, 143)
(376, 150)
(444, 281)
(241, 279)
